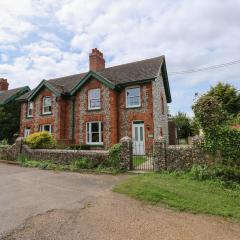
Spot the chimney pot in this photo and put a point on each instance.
(96, 60)
(3, 84)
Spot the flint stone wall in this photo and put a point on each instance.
(184, 157)
(10, 153)
(178, 157)
(65, 156)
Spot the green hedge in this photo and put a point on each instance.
(227, 140)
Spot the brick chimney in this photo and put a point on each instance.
(3, 84)
(96, 60)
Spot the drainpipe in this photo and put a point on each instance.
(73, 119)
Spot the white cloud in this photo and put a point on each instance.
(3, 57)
(53, 38)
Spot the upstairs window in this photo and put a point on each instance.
(133, 98)
(30, 109)
(47, 105)
(94, 99)
(94, 133)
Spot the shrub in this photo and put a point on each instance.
(113, 159)
(40, 140)
(22, 159)
(224, 173)
(82, 163)
(4, 142)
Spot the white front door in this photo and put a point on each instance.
(138, 138)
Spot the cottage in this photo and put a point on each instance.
(101, 106)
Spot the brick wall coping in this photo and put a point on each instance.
(85, 152)
(180, 146)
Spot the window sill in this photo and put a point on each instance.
(94, 109)
(46, 114)
(95, 144)
(29, 117)
(131, 107)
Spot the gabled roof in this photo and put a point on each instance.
(89, 75)
(12, 94)
(56, 89)
(113, 77)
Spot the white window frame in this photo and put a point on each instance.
(42, 128)
(28, 109)
(139, 95)
(96, 99)
(43, 106)
(27, 132)
(89, 133)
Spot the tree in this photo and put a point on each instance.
(183, 123)
(228, 96)
(9, 120)
(209, 112)
(212, 116)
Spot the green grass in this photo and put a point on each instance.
(183, 193)
(138, 160)
(77, 165)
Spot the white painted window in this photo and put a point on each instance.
(94, 133)
(46, 127)
(27, 132)
(47, 105)
(94, 101)
(133, 98)
(30, 109)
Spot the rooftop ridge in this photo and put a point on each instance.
(138, 61)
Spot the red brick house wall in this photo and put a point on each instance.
(144, 113)
(38, 118)
(107, 114)
(116, 118)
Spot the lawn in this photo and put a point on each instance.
(183, 193)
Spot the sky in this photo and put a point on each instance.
(42, 39)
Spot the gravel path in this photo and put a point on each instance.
(116, 217)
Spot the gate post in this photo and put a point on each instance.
(159, 154)
(126, 153)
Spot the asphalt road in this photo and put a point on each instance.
(45, 205)
(26, 192)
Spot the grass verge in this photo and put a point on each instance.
(183, 193)
(79, 165)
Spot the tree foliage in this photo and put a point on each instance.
(228, 96)
(9, 120)
(215, 114)
(183, 123)
(209, 112)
